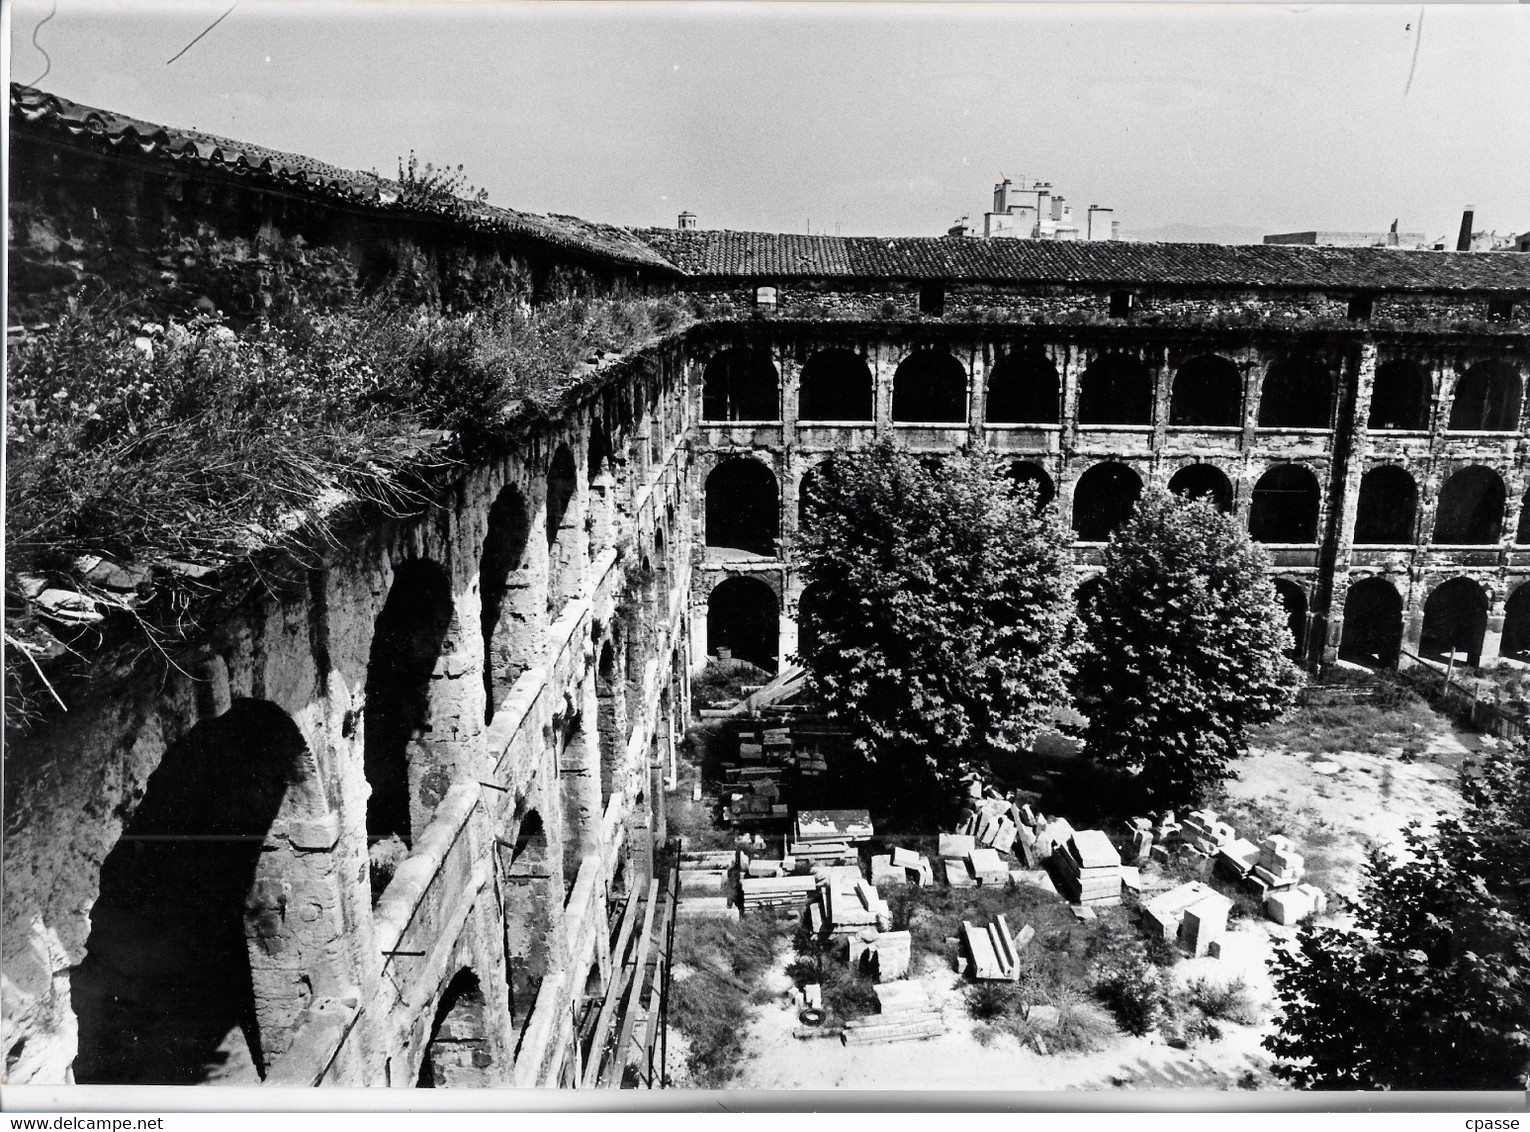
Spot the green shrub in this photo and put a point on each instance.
(1229, 1002)
(1080, 1027)
(987, 1001)
(1133, 990)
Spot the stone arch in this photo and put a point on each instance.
(1386, 508)
(407, 756)
(511, 607)
(1023, 388)
(807, 500)
(1208, 392)
(740, 384)
(1522, 528)
(1087, 590)
(1400, 396)
(1284, 507)
(457, 1052)
(809, 607)
(1373, 624)
(1455, 621)
(1470, 508)
(564, 527)
(600, 467)
(1294, 600)
(1297, 392)
(532, 901)
(1116, 389)
(1487, 399)
(610, 709)
(1022, 472)
(1102, 499)
(930, 386)
(743, 507)
(743, 616)
(835, 385)
(194, 969)
(1204, 481)
(1516, 624)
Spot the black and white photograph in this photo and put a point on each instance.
(863, 550)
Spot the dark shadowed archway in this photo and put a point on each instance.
(809, 613)
(1400, 396)
(1470, 508)
(740, 384)
(1297, 393)
(808, 501)
(1022, 472)
(1103, 498)
(1284, 507)
(744, 616)
(564, 523)
(930, 387)
(192, 972)
(1487, 399)
(457, 1053)
(1023, 388)
(1204, 481)
(1455, 621)
(743, 507)
(1373, 624)
(1208, 392)
(508, 620)
(1387, 507)
(1294, 600)
(835, 386)
(1116, 389)
(1516, 624)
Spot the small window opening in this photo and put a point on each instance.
(1121, 304)
(765, 298)
(1360, 307)
(1500, 310)
(932, 298)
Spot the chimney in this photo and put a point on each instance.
(1464, 240)
(687, 221)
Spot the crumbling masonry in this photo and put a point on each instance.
(492, 693)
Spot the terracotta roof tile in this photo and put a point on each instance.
(781, 256)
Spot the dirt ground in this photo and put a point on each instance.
(1332, 803)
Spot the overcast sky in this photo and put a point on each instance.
(857, 118)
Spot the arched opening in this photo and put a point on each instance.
(809, 624)
(1294, 601)
(510, 603)
(191, 972)
(1487, 399)
(610, 725)
(740, 384)
(1522, 529)
(1102, 500)
(1087, 592)
(1284, 507)
(1516, 624)
(1470, 508)
(930, 387)
(1208, 392)
(1204, 481)
(1455, 621)
(1022, 473)
(1023, 388)
(743, 511)
(1385, 511)
(600, 466)
(1116, 389)
(1400, 396)
(532, 902)
(808, 500)
(1373, 624)
(564, 525)
(743, 616)
(835, 386)
(407, 643)
(457, 1052)
(1297, 393)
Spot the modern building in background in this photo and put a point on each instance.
(1031, 211)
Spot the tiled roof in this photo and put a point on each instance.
(781, 256)
(39, 111)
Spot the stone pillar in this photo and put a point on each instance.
(883, 368)
(1346, 480)
(977, 393)
(579, 783)
(1163, 391)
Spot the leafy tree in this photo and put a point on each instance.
(1431, 987)
(936, 631)
(1182, 640)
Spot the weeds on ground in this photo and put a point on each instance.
(846, 993)
(1396, 717)
(724, 681)
(1227, 1002)
(722, 961)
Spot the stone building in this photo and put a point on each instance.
(496, 684)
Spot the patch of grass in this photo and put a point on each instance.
(987, 1001)
(724, 680)
(1228, 1002)
(723, 961)
(1080, 1027)
(1395, 717)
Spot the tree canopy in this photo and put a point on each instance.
(1182, 648)
(938, 610)
(1431, 987)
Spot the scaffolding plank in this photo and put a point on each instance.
(611, 1076)
(618, 968)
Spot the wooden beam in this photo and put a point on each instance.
(608, 1007)
(651, 1026)
(618, 1063)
